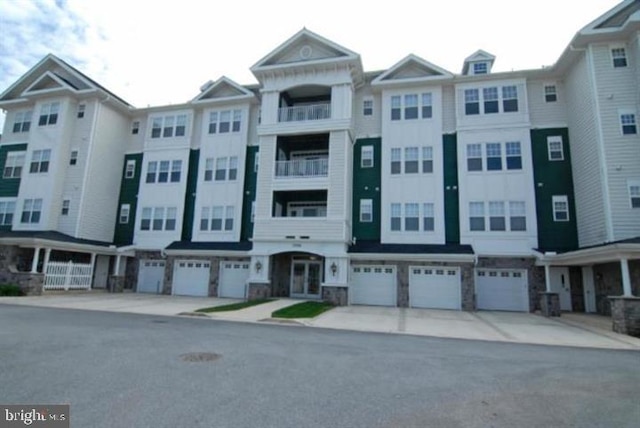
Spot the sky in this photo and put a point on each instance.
(156, 52)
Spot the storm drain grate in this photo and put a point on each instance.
(200, 357)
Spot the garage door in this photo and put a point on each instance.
(150, 276)
(233, 279)
(434, 287)
(502, 290)
(373, 285)
(191, 278)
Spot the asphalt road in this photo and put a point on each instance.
(125, 370)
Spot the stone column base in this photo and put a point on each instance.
(258, 290)
(116, 283)
(550, 304)
(338, 296)
(31, 284)
(625, 313)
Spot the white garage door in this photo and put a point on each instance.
(233, 278)
(502, 290)
(191, 278)
(150, 276)
(434, 287)
(373, 285)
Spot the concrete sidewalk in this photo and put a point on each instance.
(570, 330)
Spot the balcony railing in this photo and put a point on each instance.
(303, 168)
(305, 112)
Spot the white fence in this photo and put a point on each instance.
(304, 112)
(303, 168)
(68, 275)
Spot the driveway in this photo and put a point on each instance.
(515, 327)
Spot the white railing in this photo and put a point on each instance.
(68, 275)
(305, 112)
(303, 168)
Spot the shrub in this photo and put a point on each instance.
(10, 290)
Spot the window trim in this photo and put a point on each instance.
(66, 205)
(630, 184)
(368, 149)
(168, 126)
(623, 57)
(367, 106)
(560, 199)
(366, 207)
(14, 166)
(130, 173)
(124, 213)
(22, 121)
(622, 113)
(551, 139)
(7, 212)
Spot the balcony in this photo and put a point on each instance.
(302, 113)
(297, 168)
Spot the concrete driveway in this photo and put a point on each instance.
(568, 330)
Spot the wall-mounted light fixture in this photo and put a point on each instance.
(334, 268)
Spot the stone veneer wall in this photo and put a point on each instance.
(402, 278)
(625, 312)
(608, 282)
(535, 274)
(19, 258)
(338, 296)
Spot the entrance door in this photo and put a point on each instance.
(305, 279)
(560, 284)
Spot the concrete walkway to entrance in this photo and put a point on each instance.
(569, 330)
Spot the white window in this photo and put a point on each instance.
(509, 98)
(40, 161)
(634, 193)
(550, 93)
(427, 159)
(237, 120)
(73, 158)
(176, 171)
(427, 105)
(135, 127)
(411, 217)
(213, 122)
(221, 169)
(514, 155)
(560, 208)
(496, 216)
(396, 161)
(554, 148)
(233, 167)
(31, 210)
(204, 218)
(411, 161)
(628, 123)
(256, 162)
(145, 220)
(474, 157)
(81, 109)
(471, 102)
(228, 220)
(152, 169)
(170, 220)
(225, 122)
(208, 169)
(253, 211)
(367, 107)
(49, 114)
(163, 172)
(396, 217)
(517, 216)
(366, 157)
(22, 121)
(130, 168)
(181, 125)
(13, 165)
(619, 57)
(476, 216)
(396, 107)
(7, 209)
(366, 210)
(156, 127)
(158, 218)
(480, 68)
(125, 210)
(494, 157)
(428, 220)
(169, 126)
(217, 214)
(490, 100)
(410, 106)
(65, 207)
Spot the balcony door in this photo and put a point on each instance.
(305, 279)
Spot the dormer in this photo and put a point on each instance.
(478, 63)
(410, 70)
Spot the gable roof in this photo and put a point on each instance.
(479, 55)
(223, 89)
(53, 74)
(617, 17)
(412, 68)
(303, 48)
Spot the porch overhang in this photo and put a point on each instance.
(628, 249)
(59, 241)
(370, 250)
(214, 249)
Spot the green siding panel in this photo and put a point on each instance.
(250, 183)
(123, 234)
(367, 185)
(190, 195)
(553, 178)
(9, 186)
(451, 199)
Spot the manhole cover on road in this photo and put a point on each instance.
(197, 357)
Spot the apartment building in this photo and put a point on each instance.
(413, 186)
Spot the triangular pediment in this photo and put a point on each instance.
(480, 55)
(616, 18)
(412, 68)
(222, 90)
(50, 74)
(305, 46)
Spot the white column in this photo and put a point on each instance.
(47, 255)
(626, 278)
(547, 278)
(116, 267)
(36, 259)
